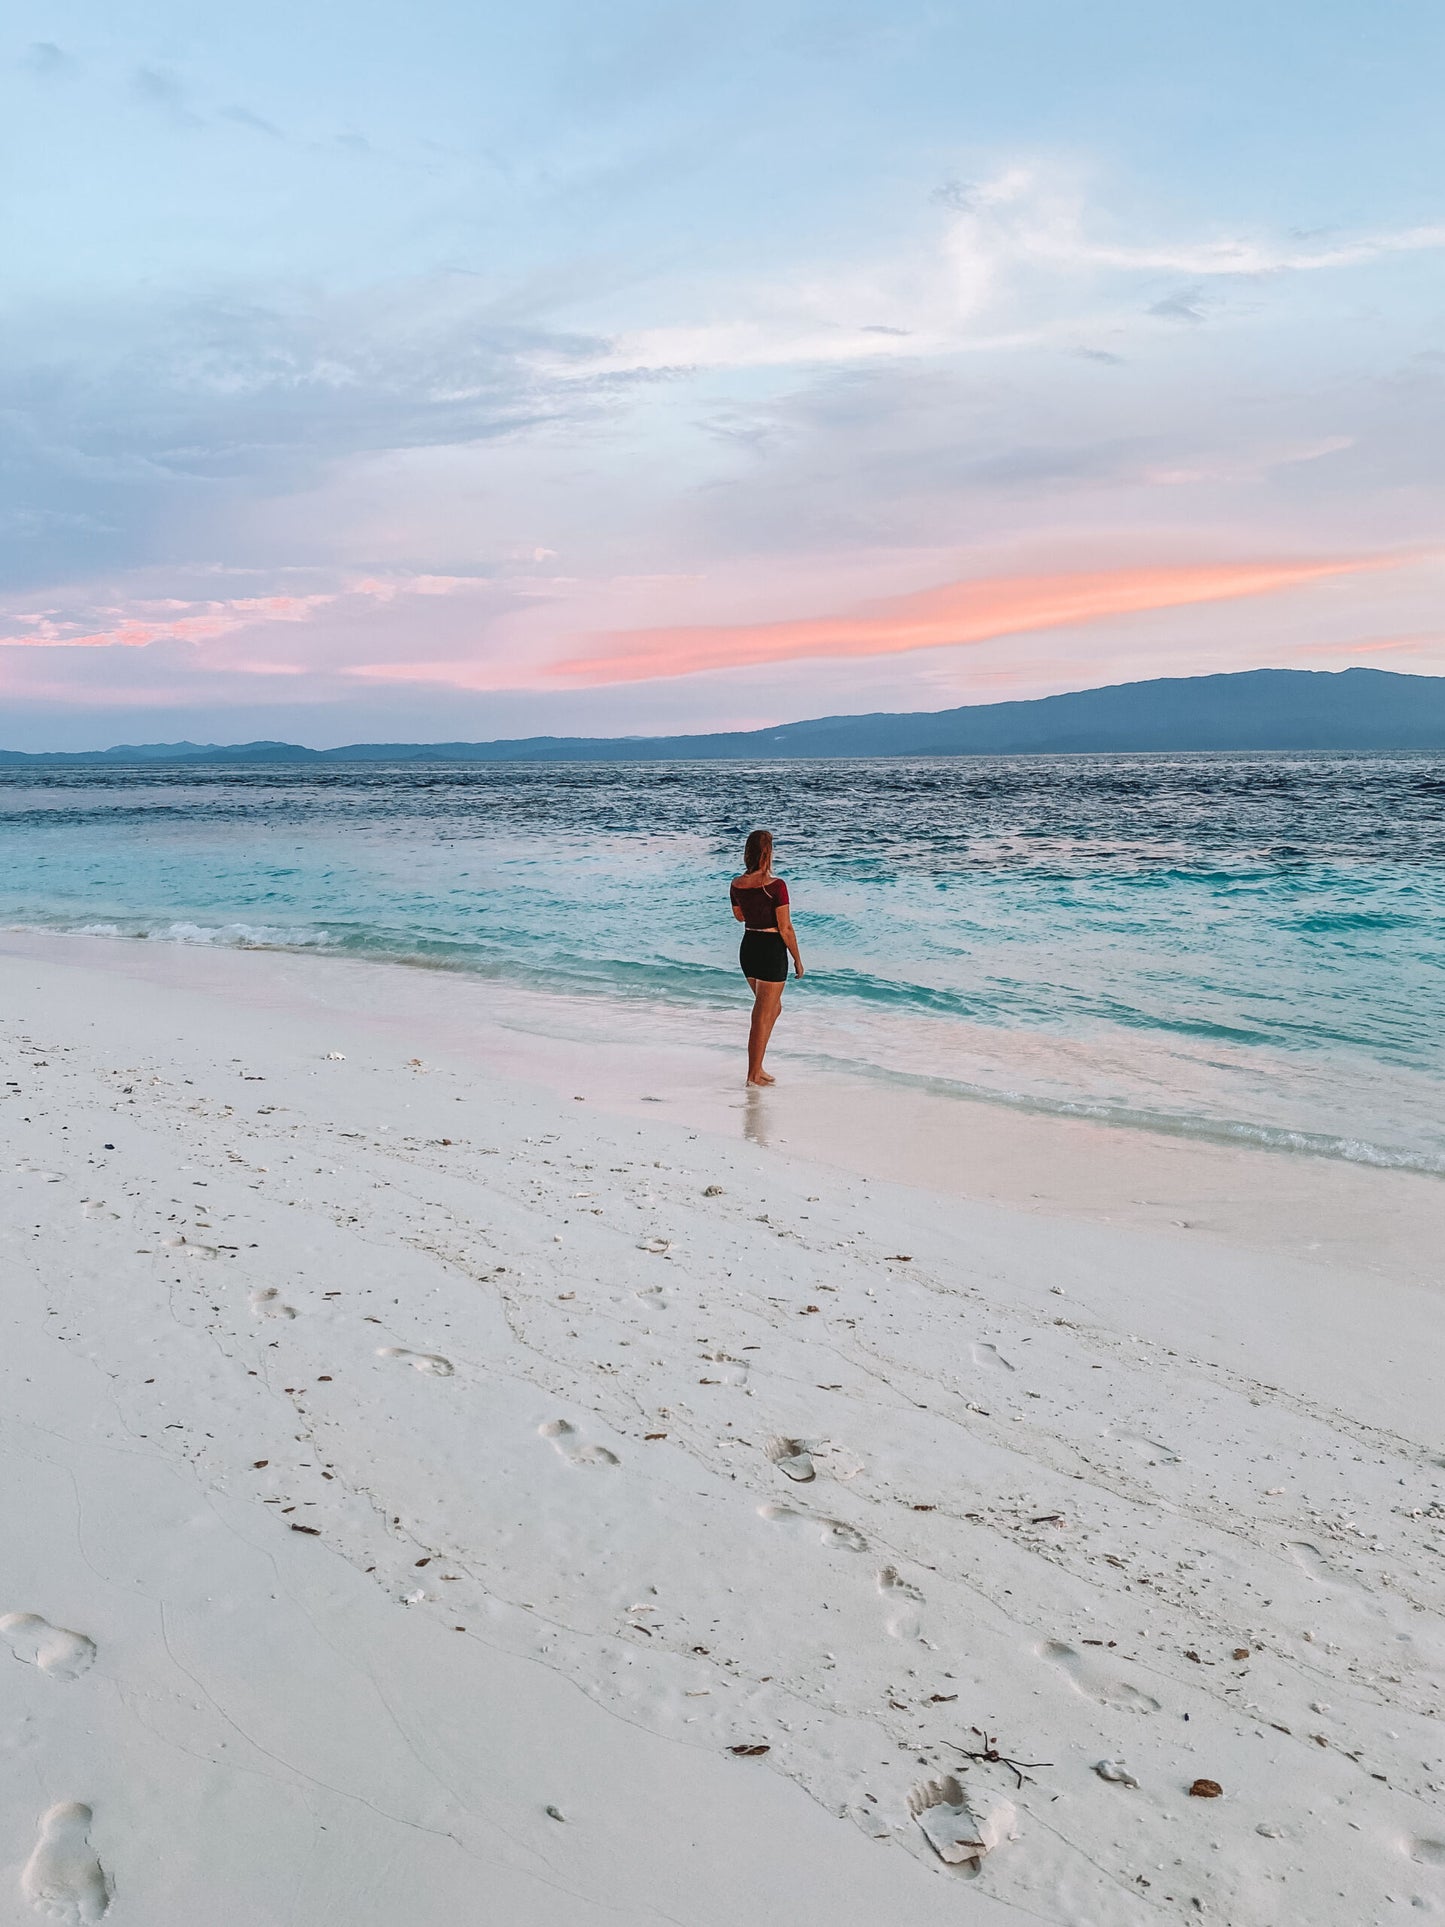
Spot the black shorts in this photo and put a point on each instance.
(764, 956)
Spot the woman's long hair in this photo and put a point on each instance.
(758, 851)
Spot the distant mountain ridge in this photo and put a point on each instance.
(1254, 709)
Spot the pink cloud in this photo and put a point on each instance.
(169, 619)
(476, 676)
(944, 617)
(131, 633)
(212, 619)
(1429, 640)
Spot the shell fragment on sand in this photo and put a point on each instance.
(958, 1829)
(792, 1458)
(1116, 1771)
(803, 1459)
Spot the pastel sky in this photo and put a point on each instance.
(465, 370)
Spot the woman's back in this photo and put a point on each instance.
(758, 898)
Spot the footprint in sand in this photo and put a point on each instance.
(266, 1303)
(990, 1356)
(904, 1599)
(432, 1362)
(1096, 1682)
(568, 1443)
(723, 1369)
(189, 1250)
(828, 1532)
(1429, 1853)
(1311, 1560)
(792, 1458)
(1146, 1447)
(54, 1649)
(62, 1878)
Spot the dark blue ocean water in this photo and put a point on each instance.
(1230, 945)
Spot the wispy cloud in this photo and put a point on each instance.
(1185, 305)
(47, 60)
(197, 624)
(1245, 255)
(1424, 642)
(243, 117)
(159, 88)
(1019, 260)
(1245, 464)
(174, 620)
(944, 617)
(478, 675)
(201, 406)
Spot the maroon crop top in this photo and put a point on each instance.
(759, 902)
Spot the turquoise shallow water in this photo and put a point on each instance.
(1238, 946)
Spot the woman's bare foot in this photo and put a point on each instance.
(763, 1077)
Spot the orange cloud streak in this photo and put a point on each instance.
(957, 612)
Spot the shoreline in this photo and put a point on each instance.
(397, 1428)
(1384, 1219)
(580, 1014)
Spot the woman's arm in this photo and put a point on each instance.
(789, 936)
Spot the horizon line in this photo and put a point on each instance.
(697, 735)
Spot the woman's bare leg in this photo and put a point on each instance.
(767, 1002)
(756, 1042)
(770, 1017)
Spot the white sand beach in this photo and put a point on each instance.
(454, 1477)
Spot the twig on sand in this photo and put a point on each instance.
(989, 1753)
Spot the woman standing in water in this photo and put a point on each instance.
(760, 901)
